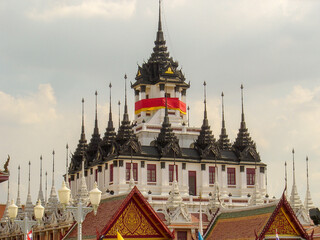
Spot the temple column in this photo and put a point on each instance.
(243, 182)
(164, 178)
(143, 96)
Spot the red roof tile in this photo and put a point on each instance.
(94, 224)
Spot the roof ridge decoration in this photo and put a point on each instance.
(126, 138)
(160, 65)
(95, 139)
(244, 146)
(167, 142)
(206, 143)
(308, 203)
(224, 141)
(76, 159)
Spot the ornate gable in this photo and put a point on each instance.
(283, 225)
(284, 221)
(249, 154)
(136, 219)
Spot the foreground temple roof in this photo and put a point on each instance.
(256, 222)
(130, 214)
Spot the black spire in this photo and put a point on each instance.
(95, 139)
(243, 139)
(206, 140)
(125, 131)
(224, 142)
(110, 134)
(160, 65)
(166, 136)
(81, 148)
(160, 54)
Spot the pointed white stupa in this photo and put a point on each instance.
(40, 194)
(53, 201)
(29, 206)
(175, 198)
(308, 203)
(214, 201)
(83, 195)
(295, 200)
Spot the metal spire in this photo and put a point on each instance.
(110, 123)
(29, 179)
(53, 153)
(286, 178)
(119, 103)
(159, 23)
(222, 110)
(308, 203)
(96, 129)
(46, 199)
(67, 159)
(18, 195)
(205, 119)
(125, 115)
(242, 114)
(224, 142)
(40, 195)
(160, 37)
(82, 127)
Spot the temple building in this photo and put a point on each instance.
(161, 178)
(159, 144)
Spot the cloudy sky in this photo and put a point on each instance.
(53, 53)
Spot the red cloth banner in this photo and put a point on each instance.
(158, 103)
